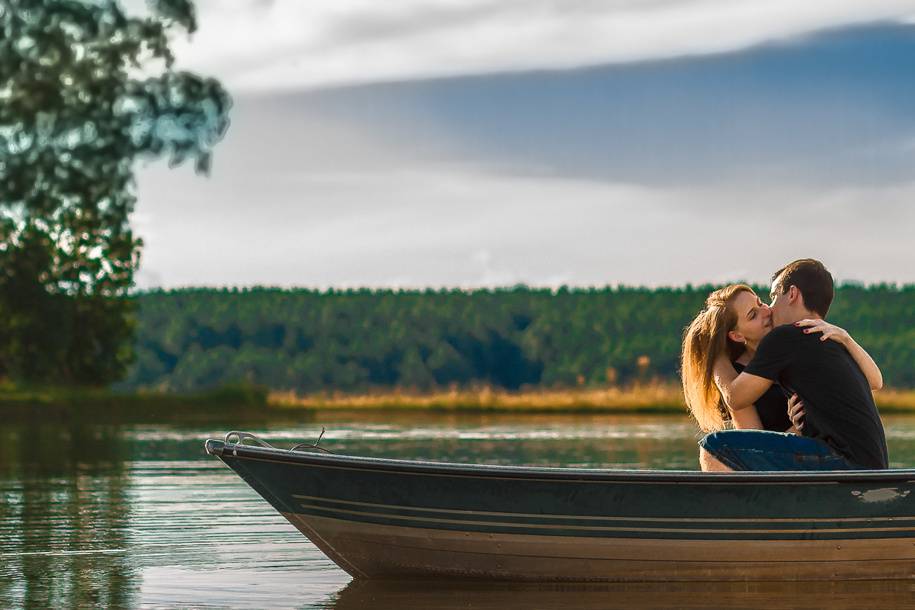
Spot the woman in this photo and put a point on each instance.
(733, 322)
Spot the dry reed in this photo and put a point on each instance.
(656, 397)
(642, 398)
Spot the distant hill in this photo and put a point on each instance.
(357, 340)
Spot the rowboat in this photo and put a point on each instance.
(390, 519)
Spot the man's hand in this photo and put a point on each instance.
(796, 411)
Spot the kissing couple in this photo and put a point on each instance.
(796, 390)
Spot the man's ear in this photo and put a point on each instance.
(794, 295)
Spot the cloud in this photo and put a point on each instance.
(453, 226)
(368, 187)
(289, 44)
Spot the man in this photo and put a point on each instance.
(841, 427)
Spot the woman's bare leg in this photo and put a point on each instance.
(709, 463)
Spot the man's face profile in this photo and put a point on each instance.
(778, 303)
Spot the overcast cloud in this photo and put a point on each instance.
(745, 135)
(289, 44)
(455, 227)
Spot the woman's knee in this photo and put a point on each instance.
(709, 463)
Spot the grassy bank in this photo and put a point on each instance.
(106, 405)
(895, 400)
(659, 398)
(645, 398)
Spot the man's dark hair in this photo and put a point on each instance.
(811, 278)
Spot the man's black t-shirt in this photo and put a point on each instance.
(838, 404)
(772, 407)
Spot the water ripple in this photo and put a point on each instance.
(141, 516)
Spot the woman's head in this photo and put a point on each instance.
(752, 318)
(732, 320)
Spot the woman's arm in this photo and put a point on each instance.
(743, 419)
(746, 419)
(739, 391)
(858, 353)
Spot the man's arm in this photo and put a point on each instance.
(739, 391)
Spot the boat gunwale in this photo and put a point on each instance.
(399, 466)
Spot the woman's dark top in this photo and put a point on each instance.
(772, 406)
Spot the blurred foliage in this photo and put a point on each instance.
(86, 89)
(356, 340)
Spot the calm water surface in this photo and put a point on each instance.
(127, 516)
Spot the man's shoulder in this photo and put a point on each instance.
(785, 332)
(775, 352)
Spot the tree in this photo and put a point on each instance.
(85, 90)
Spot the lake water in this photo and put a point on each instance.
(139, 515)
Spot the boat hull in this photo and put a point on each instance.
(396, 519)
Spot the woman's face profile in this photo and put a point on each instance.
(754, 318)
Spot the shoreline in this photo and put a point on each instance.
(657, 398)
(243, 401)
(638, 399)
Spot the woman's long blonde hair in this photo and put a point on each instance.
(703, 341)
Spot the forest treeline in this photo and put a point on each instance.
(358, 340)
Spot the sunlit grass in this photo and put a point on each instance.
(890, 400)
(641, 398)
(645, 398)
(655, 397)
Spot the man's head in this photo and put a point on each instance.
(801, 289)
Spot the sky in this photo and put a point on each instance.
(480, 143)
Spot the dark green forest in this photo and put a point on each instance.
(512, 338)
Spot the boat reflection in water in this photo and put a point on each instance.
(840, 595)
(390, 519)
